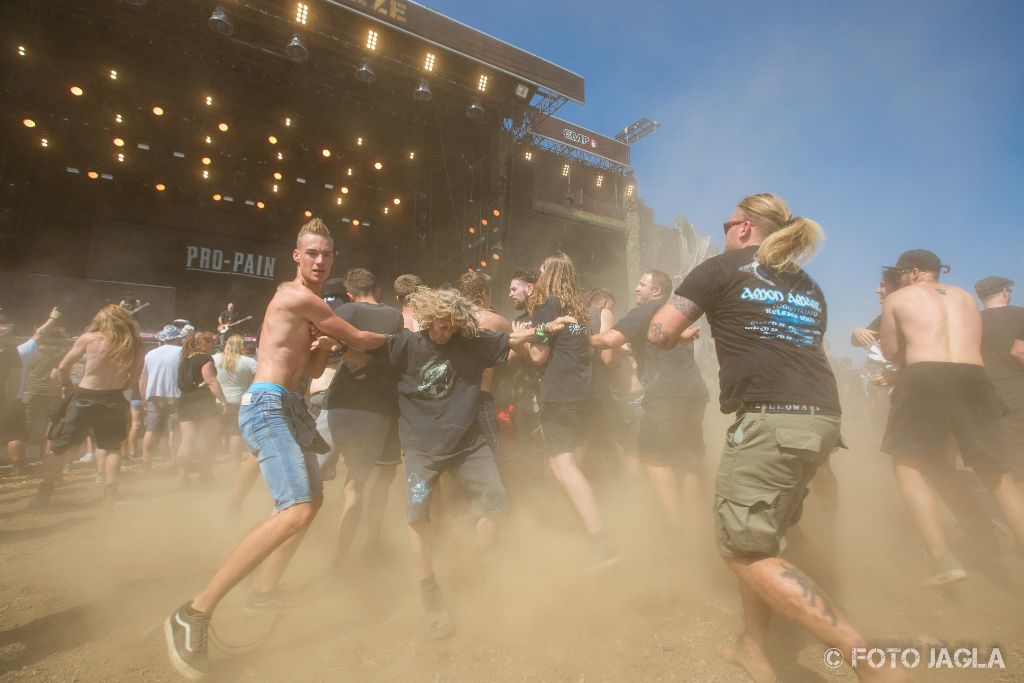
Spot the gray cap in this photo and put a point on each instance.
(993, 284)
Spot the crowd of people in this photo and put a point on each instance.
(444, 385)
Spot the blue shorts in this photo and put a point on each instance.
(272, 427)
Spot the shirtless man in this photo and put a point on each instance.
(113, 360)
(281, 433)
(477, 288)
(935, 330)
(404, 286)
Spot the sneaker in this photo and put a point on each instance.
(945, 569)
(602, 557)
(186, 631)
(88, 457)
(439, 622)
(260, 603)
(100, 480)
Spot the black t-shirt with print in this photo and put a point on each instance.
(439, 387)
(768, 328)
(664, 373)
(370, 387)
(190, 379)
(1000, 327)
(567, 375)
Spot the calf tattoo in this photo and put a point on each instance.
(812, 591)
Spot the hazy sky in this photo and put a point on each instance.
(896, 125)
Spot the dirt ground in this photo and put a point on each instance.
(84, 589)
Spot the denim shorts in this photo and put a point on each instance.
(267, 425)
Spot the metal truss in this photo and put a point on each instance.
(543, 104)
(572, 154)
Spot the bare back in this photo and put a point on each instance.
(489, 320)
(931, 322)
(102, 371)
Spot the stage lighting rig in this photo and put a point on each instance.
(296, 50)
(364, 72)
(219, 21)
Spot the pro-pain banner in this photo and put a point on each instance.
(209, 259)
(588, 141)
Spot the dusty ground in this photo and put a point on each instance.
(83, 591)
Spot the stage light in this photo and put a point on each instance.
(222, 127)
(208, 140)
(113, 75)
(377, 165)
(471, 230)
(528, 156)
(216, 197)
(359, 141)
(22, 51)
(385, 210)
(496, 213)
(412, 155)
(296, 50)
(371, 39)
(307, 213)
(629, 190)
(496, 253)
(326, 152)
(344, 190)
(287, 121)
(220, 21)
(275, 187)
(301, 13)
(565, 169)
(428, 62)
(158, 111)
(355, 222)
(475, 110)
(272, 139)
(45, 143)
(277, 175)
(160, 187)
(206, 161)
(206, 174)
(260, 205)
(348, 172)
(422, 92)
(118, 118)
(120, 157)
(118, 142)
(600, 181)
(93, 175)
(481, 83)
(339, 201)
(28, 123)
(76, 91)
(280, 156)
(365, 73)
(209, 101)
(522, 91)
(396, 201)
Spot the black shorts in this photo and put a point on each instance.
(13, 424)
(487, 419)
(474, 468)
(1013, 424)
(565, 425)
(364, 439)
(933, 400)
(672, 429)
(197, 409)
(103, 413)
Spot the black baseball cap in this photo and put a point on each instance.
(993, 284)
(922, 259)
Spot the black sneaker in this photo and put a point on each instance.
(439, 622)
(185, 632)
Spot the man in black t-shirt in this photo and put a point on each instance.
(1002, 325)
(439, 370)
(362, 405)
(671, 436)
(768, 318)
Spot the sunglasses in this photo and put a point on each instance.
(729, 225)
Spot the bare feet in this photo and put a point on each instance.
(748, 655)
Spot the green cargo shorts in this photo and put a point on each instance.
(768, 461)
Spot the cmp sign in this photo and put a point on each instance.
(241, 263)
(593, 143)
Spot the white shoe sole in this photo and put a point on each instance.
(179, 664)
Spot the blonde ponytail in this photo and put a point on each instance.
(787, 241)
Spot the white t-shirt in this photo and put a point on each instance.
(235, 382)
(27, 351)
(161, 368)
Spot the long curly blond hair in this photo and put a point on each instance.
(558, 279)
(121, 330)
(428, 305)
(233, 350)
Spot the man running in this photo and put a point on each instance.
(935, 329)
(768, 319)
(113, 360)
(281, 433)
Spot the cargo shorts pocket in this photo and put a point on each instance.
(746, 519)
(798, 440)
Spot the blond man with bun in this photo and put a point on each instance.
(768, 318)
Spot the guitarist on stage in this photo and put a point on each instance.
(228, 319)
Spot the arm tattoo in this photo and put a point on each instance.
(812, 591)
(689, 309)
(658, 334)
